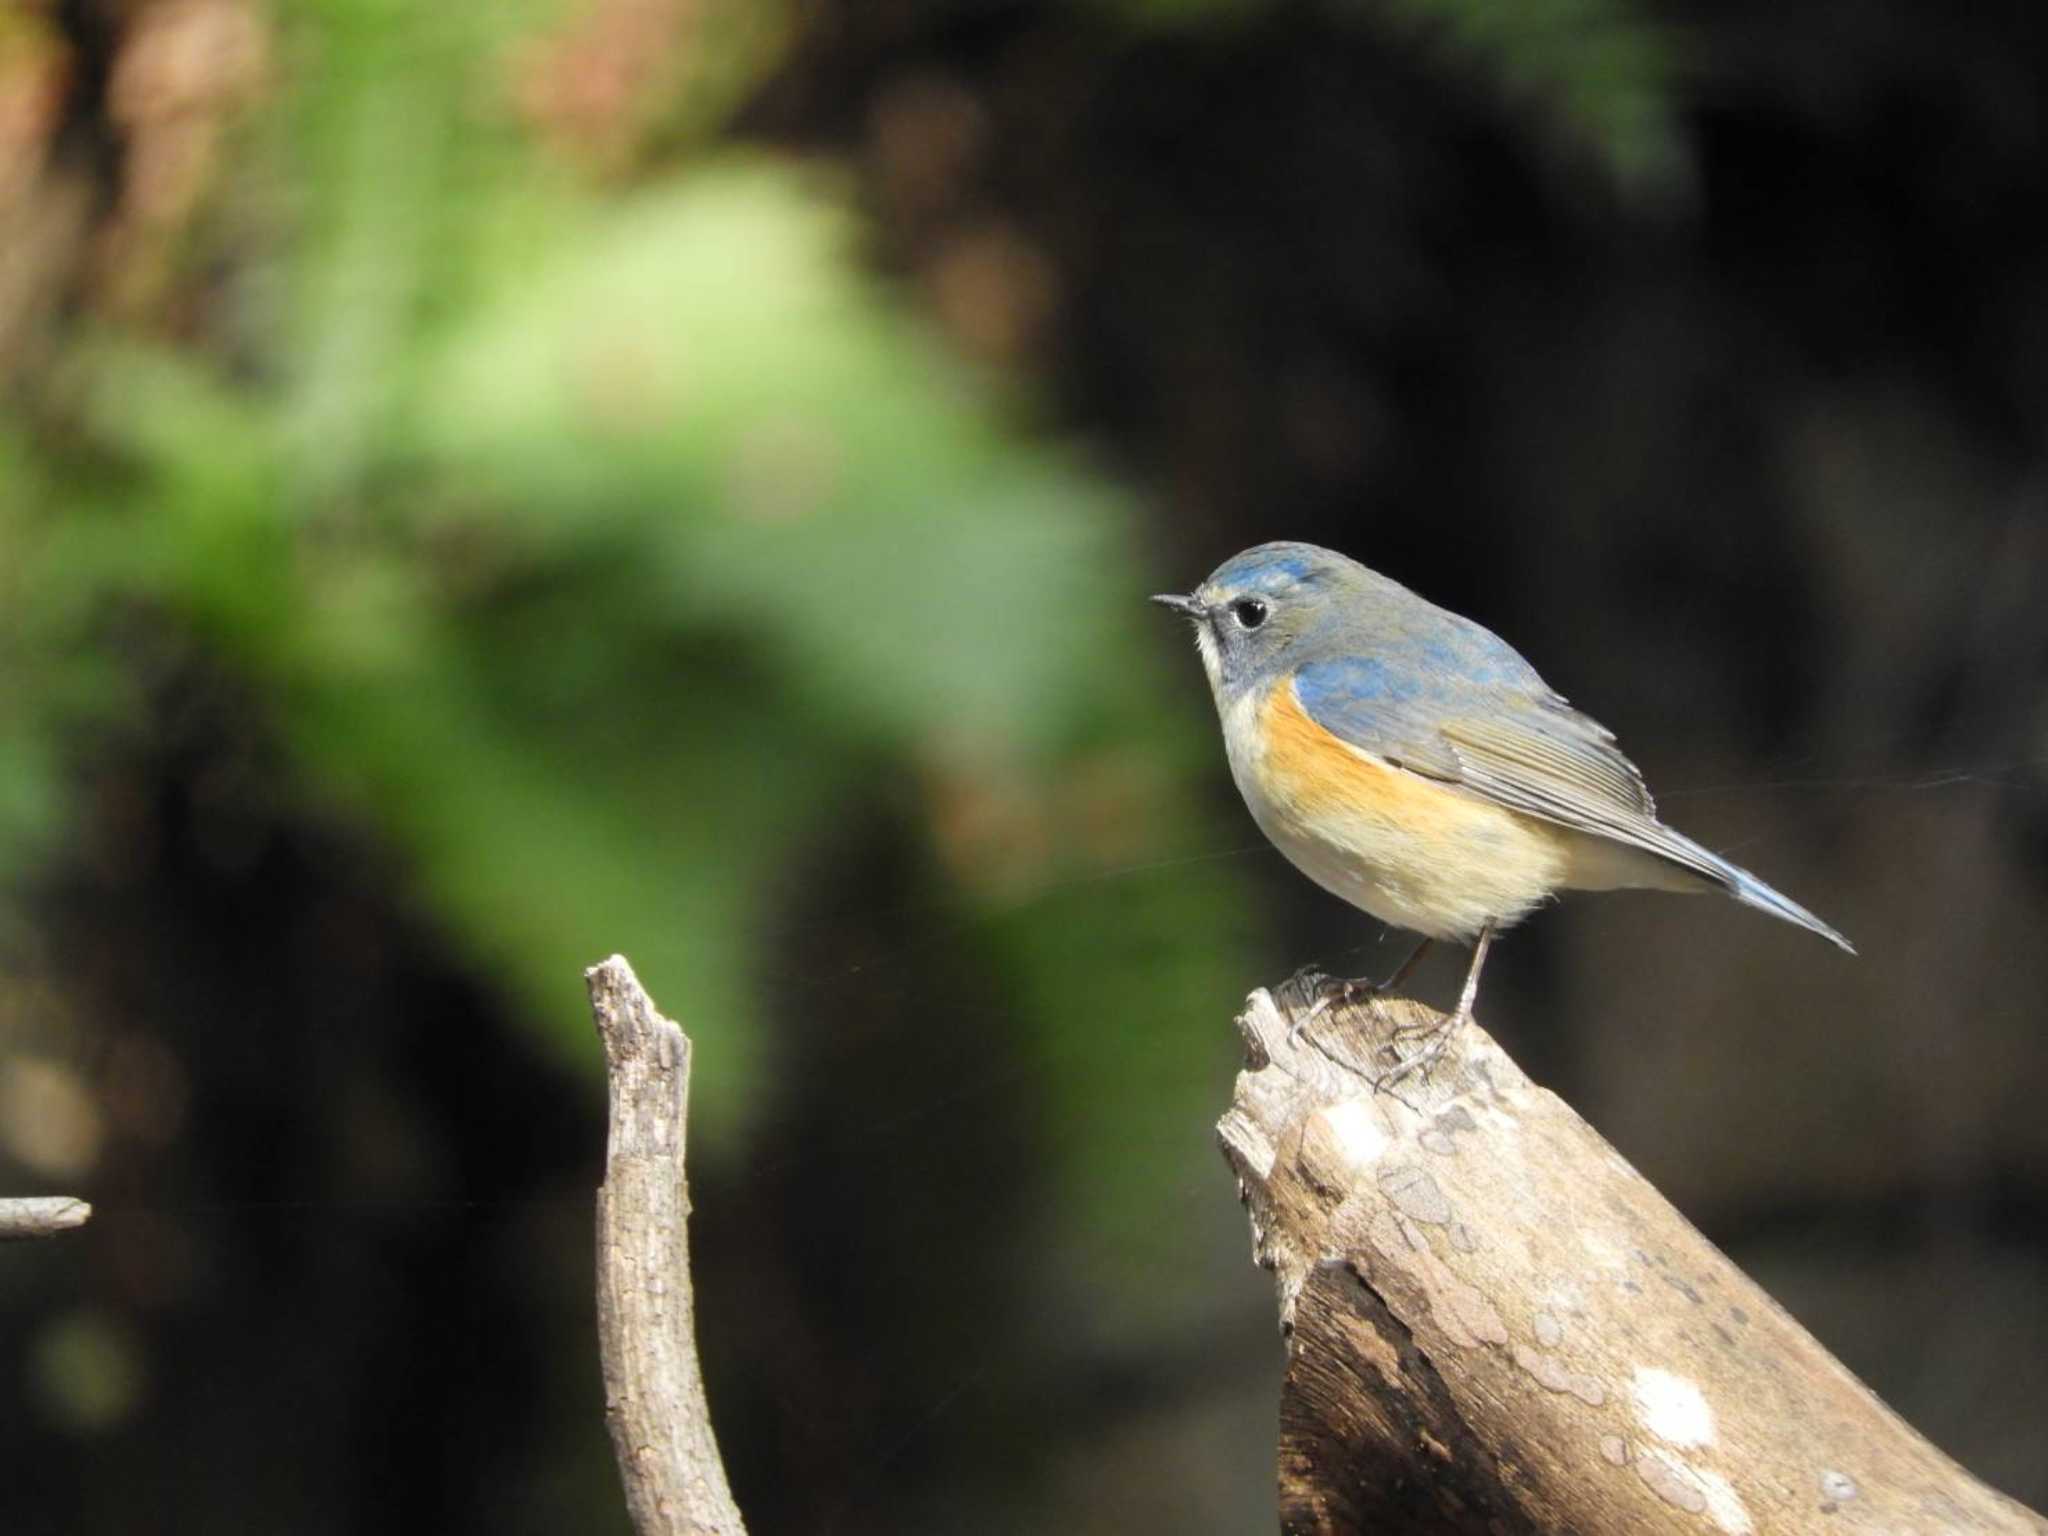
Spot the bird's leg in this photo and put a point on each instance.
(1439, 1036)
(1470, 994)
(1352, 991)
(1406, 968)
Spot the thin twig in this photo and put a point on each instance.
(41, 1216)
(653, 1389)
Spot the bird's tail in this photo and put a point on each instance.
(1752, 892)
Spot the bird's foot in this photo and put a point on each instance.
(1322, 992)
(1436, 1039)
(1304, 986)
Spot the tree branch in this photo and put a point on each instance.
(41, 1216)
(653, 1389)
(1495, 1324)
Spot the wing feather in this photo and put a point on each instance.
(1556, 745)
(1501, 739)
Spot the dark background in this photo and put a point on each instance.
(486, 488)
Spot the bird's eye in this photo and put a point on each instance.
(1249, 612)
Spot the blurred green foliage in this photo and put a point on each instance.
(597, 548)
(598, 535)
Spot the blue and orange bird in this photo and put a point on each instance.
(1412, 763)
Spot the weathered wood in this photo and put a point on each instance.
(1496, 1325)
(41, 1216)
(653, 1390)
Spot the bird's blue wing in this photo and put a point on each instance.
(1472, 714)
(1476, 716)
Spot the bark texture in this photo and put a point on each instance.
(1496, 1325)
(653, 1390)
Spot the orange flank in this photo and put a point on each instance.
(1315, 772)
(1408, 849)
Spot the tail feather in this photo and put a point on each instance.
(1752, 892)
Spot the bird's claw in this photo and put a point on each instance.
(1323, 991)
(1439, 1037)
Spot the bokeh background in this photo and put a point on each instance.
(488, 485)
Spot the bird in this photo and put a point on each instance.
(1411, 762)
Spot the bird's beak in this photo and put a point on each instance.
(1187, 607)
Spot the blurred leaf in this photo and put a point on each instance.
(685, 539)
(597, 550)
(809, 478)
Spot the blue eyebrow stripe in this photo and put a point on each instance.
(1285, 565)
(1256, 565)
